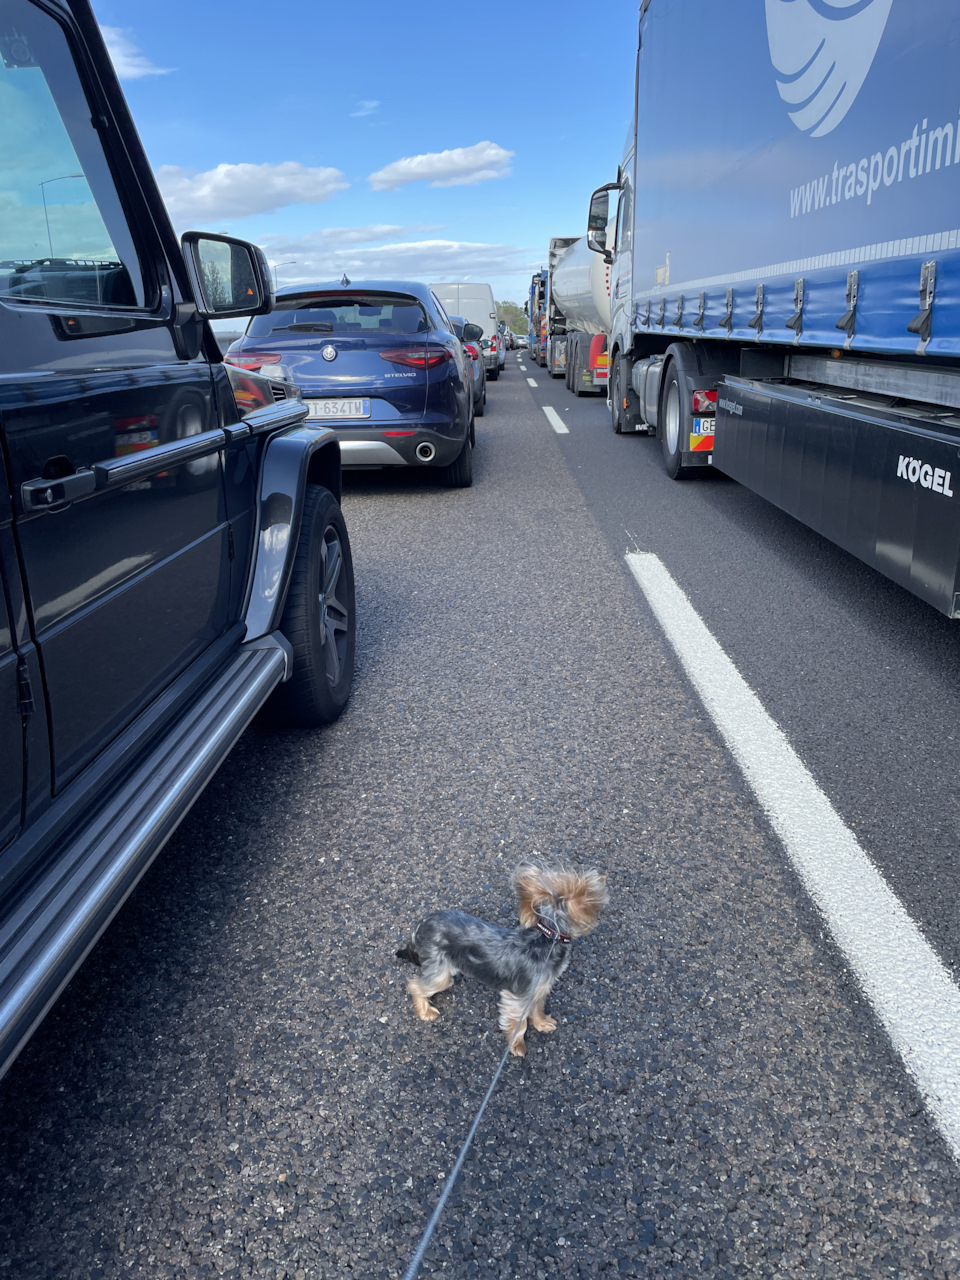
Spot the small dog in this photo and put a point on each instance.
(557, 904)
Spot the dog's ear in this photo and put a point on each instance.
(586, 895)
(528, 882)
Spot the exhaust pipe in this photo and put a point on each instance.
(426, 452)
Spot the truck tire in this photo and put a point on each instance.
(577, 374)
(616, 395)
(674, 424)
(319, 617)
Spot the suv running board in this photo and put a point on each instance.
(46, 938)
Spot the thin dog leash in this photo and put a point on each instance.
(431, 1226)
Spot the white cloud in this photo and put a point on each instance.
(326, 255)
(461, 166)
(366, 107)
(129, 62)
(239, 190)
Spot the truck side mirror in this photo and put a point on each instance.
(597, 220)
(230, 277)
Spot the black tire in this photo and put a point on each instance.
(493, 375)
(480, 409)
(319, 617)
(616, 397)
(459, 474)
(674, 424)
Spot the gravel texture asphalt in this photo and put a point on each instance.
(235, 1085)
(862, 676)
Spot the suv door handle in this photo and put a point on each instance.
(54, 495)
(139, 466)
(47, 495)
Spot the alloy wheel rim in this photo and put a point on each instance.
(333, 610)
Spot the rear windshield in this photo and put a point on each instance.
(359, 314)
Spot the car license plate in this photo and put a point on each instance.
(338, 408)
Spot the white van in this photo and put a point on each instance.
(475, 303)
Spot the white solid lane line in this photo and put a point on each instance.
(531, 382)
(911, 991)
(555, 420)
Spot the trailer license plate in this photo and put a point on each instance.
(338, 408)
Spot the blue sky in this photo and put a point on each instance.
(440, 142)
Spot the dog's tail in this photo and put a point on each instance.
(407, 953)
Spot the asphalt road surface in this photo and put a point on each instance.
(235, 1084)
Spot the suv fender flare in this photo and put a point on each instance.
(291, 461)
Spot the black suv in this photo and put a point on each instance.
(172, 550)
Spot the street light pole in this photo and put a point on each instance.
(275, 265)
(43, 197)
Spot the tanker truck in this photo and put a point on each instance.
(785, 266)
(580, 287)
(555, 343)
(536, 307)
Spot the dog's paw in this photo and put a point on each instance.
(544, 1023)
(429, 1014)
(518, 1049)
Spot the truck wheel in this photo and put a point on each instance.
(459, 474)
(616, 397)
(319, 618)
(576, 376)
(674, 426)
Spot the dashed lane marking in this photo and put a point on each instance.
(555, 420)
(911, 991)
(531, 382)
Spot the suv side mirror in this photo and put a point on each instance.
(230, 277)
(472, 333)
(597, 220)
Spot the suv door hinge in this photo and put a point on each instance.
(25, 704)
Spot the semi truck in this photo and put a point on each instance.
(580, 288)
(554, 320)
(785, 266)
(535, 308)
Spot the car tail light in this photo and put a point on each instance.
(472, 350)
(418, 357)
(252, 360)
(704, 402)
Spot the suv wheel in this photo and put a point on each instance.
(319, 618)
(459, 474)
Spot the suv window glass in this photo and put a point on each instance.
(63, 235)
(360, 314)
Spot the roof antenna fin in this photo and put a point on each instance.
(344, 279)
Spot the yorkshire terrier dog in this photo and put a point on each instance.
(557, 904)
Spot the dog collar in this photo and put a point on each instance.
(552, 933)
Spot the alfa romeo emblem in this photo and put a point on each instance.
(329, 353)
